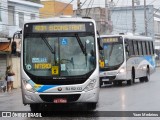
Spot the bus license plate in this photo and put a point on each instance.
(105, 79)
(60, 100)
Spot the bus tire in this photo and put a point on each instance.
(129, 82)
(133, 75)
(34, 107)
(132, 80)
(100, 83)
(141, 79)
(115, 83)
(147, 77)
(92, 106)
(119, 83)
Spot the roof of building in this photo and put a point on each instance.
(29, 3)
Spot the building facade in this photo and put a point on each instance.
(13, 14)
(54, 8)
(122, 21)
(96, 13)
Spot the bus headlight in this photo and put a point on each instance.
(90, 86)
(122, 70)
(29, 87)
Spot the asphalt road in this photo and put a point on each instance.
(138, 97)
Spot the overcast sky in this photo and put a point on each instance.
(101, 3)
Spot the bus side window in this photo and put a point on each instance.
(131, 49)
(135, 45)
(139, 48)
(127, 48)
(147, 47)
(151, 49)
(144, 48)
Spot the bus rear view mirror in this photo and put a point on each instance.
(100, 44)
(14, 44)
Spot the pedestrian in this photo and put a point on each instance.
(10, 78)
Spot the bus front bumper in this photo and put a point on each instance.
(72, 97)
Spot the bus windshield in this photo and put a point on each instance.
(112, 53)
(59, 54)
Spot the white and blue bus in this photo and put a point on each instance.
(126, 58)
(59, 62)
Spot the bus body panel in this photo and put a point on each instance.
(139, 63)
(30, 97)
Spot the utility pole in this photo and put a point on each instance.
(145, 18)
(133, 18)
(106, 10)
(78, 8)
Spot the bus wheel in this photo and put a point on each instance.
(119, 83)
(100, 83)
(132, 80)
(91, 106)
(129, 82)
(115, 82)
(34, 107)
(147, 77)
(141, 79)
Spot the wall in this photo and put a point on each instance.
(28, 10)
(122, 20)
(4, 23)
(53, 8)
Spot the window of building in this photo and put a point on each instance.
(21, 19)
(11, 15)
(0, 13)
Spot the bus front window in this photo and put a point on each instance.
(113, 54)
(50, 55)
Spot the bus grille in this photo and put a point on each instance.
(50, 98)
(108, 77)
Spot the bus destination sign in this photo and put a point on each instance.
(110, 40)
(40, 28)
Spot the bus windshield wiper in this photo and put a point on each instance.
(81, 44)
(48, 45)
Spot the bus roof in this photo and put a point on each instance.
(130, 37)
(61, 19)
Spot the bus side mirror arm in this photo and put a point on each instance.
(99, 41)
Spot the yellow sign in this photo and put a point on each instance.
(55, 70)
(101, 63)
(42, 66)
(59, 27)
(110, 40)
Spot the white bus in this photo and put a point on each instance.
(59, 62)
(125, 58)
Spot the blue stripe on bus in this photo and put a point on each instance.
(46, 87)
(150, 60)
(41, 88)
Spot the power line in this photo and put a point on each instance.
(65, 7)
(152, 2)
(153, 14)
(90, 8)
